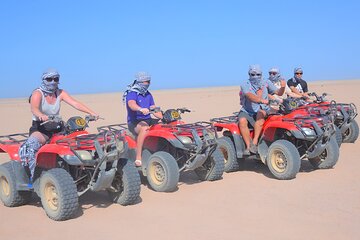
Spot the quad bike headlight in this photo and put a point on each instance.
(185, 140)
(309, 131)
(339, 114)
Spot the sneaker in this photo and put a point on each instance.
(246, 152)
(253, 148)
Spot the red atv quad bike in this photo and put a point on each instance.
(285, 140)
(71, 163)
(173, 146)
(344, 117)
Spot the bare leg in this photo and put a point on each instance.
(245, 132)
(260, 119)
(141, 129)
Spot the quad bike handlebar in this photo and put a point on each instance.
(58, 119)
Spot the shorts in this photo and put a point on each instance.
(149, 121)
(250, 117)
(36, 127)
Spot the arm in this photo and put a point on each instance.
(133, 106)
(281, 90)
(158, 114)
(256, 99)
(35, 102)
(76, 104)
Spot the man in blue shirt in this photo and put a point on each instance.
(255, 105)
(139, 101)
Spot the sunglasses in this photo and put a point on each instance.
(255, 74)
(55, 79)
(298, 73)
(272, 73)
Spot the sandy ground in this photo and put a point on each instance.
(249, 204)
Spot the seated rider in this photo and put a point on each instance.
(276, 78)
(297, 84)
(45, 101)
(139, 101)
(254, 100)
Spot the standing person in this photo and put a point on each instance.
(44, 102)
(255, 100)
(297, 84)
(139, 101)
(276, 78)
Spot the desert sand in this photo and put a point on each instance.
(248, 204)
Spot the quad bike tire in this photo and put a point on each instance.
(283, 160)
(213, 167)
(328, 158)
(8, 193)
(352, 133)
(125, 188)
(58, 194)
(338, 135)
(162, 172)
(226, 146)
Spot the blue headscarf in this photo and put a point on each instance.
(138, 85)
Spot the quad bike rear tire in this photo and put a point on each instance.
(213, 167)
(328, 158)
(226, 146)
(125, 188)
(338, 136)
(352, 133)
(8, 193)
(58, 194)
(283, 160)
(162, 172)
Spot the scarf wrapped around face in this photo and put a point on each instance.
(49, 87)
(138, 85)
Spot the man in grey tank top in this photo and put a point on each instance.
(45, 101)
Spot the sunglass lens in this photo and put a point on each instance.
(56, 79)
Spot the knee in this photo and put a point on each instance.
(243, 122)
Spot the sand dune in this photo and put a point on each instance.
(249, 204)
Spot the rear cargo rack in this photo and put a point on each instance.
(17, 138)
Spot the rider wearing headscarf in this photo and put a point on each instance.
(45, 102)
(297, 84)
(254, 99)
(139, 101)
(276, 78)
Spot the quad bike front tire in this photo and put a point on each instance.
(328, 158)
(283, 160)
(162, 172)
(58, 194)
(352, 133)
(226, 146)
(125, 188)
(8, 193)
(213, 167)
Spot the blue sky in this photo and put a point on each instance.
(98, 46)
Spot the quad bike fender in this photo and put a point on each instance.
(232, 127)
(238, 143)
(46, 156)
(12, 150)
(153, 138)
(22, 179)
(263, 150)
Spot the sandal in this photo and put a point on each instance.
(138, 163)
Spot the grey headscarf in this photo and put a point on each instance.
(274, 78)
(255, 80)
(138, 85)
(297, 70)
(49, 87)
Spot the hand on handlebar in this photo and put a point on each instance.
(43, 118)
(144, 111)
(264, 101)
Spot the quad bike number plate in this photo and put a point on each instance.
(80, 122)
